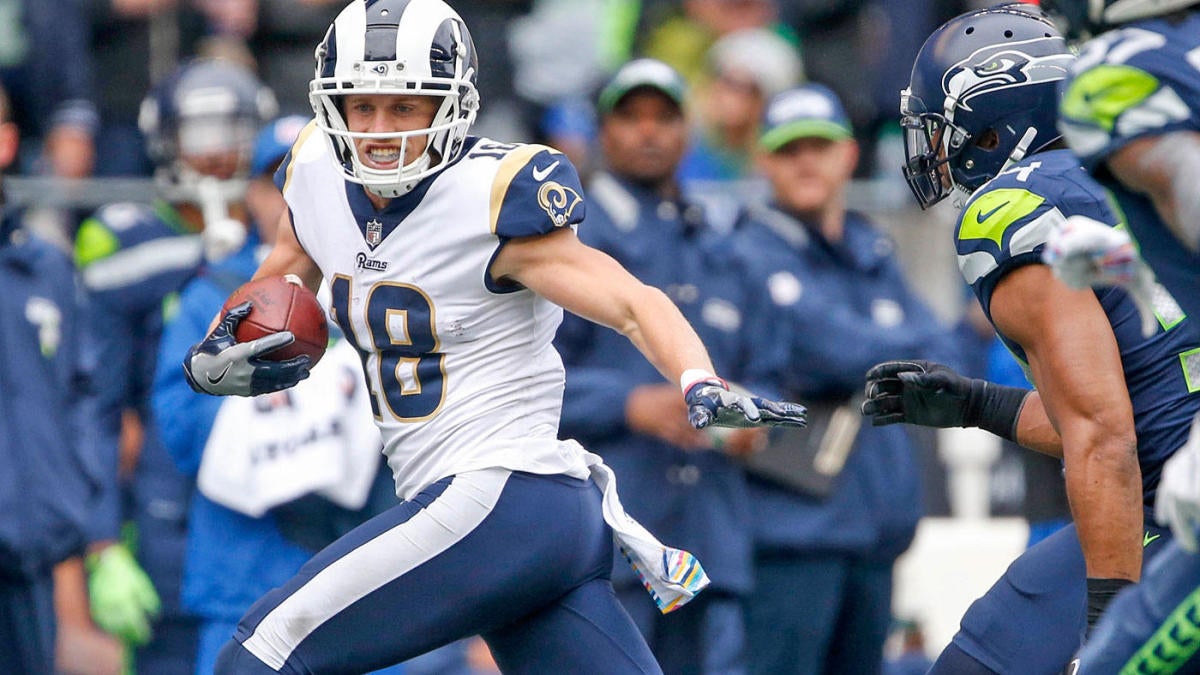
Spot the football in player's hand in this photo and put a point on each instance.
(279, 304)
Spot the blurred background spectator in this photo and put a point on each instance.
(46, 66)
(46, 426)
(745, 69)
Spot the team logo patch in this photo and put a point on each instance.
(374, 232)
(1001, 67)
(365, 263)
(558, 201)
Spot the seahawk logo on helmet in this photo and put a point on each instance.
(412, 47)
(982, 73)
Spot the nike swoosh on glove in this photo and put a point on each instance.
(222, 366)
(711, 403)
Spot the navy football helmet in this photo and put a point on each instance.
(417, 47)
(206, 107)
(983, 94)
(1084, 18)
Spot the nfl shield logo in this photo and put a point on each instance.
(374, 232)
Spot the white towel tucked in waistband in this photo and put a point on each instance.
(672, 576)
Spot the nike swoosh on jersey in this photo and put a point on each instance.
(540, 174)
(220, 376)
(982, 217)
(1148, 539)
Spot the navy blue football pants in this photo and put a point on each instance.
(522, 560)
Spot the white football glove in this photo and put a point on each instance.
(1177, 503)
(1086, 252)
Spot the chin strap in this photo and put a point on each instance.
(222, 235)
(1022, 148)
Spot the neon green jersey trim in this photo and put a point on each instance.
(93, 242)
(990, 216)
(1175, 641)
(1100, 95)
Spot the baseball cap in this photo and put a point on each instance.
(808, 111)
(642, 73)
(274, 141)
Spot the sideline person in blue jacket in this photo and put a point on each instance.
(677, 481)
(47, 477)
(823, 563)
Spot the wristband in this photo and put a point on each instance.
(995, 408)
(692, 376)
(1100, 592)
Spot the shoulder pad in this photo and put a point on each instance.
(536, 189)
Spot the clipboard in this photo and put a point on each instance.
(809, 460)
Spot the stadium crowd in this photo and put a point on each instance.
(742, 156)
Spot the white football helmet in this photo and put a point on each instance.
(416, 47)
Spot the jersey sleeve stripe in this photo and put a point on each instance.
(301, 139)
(510, 166)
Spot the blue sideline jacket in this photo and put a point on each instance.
(846, 307)
(48, 475)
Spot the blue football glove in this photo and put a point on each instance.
(222, 366)
(711, 403)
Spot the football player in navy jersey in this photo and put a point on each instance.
(980, 118)
(1131, 111)
(450, 259)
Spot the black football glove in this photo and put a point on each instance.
(711, 403)
(933, 395)
(222, 366)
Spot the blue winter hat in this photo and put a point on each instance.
(274, 141)
(808, 111)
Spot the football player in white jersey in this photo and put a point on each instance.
(450, 259)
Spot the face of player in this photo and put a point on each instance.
(809, 174)
(389, 113)
(644, 137)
